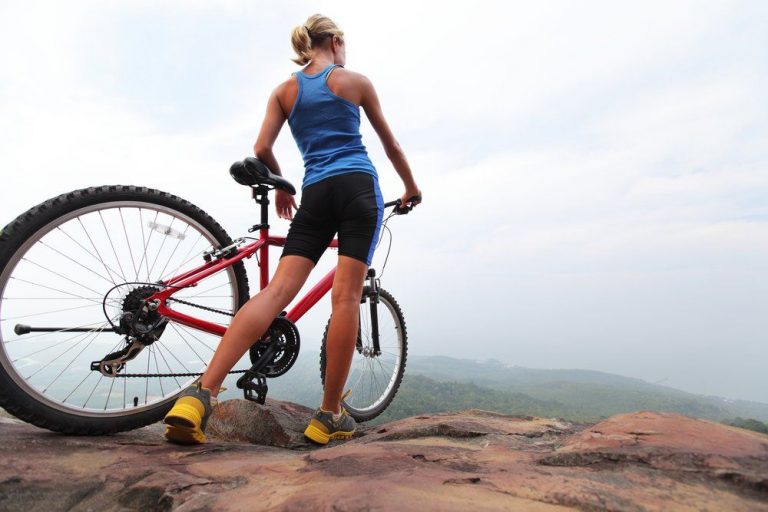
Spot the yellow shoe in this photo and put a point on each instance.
(187, 419)
(322, 427)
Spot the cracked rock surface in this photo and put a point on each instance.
(257, 459)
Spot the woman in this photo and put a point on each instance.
(340, 193)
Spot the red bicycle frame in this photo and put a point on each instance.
(190, 278)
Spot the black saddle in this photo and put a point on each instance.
(251, 171)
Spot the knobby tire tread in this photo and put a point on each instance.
(383, 407)
(13, 399)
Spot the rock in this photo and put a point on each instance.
(469, 460)
(276, 423)
(671, 442)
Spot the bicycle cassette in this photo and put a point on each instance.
(284, 334)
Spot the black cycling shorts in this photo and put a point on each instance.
(349, 204)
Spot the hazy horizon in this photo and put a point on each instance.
(595, 174)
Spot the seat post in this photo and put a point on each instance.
(260, 196)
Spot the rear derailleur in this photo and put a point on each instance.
(141, 324)
(113, 362)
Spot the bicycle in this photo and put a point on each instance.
(159, 274)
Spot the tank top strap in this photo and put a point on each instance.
(327, 70)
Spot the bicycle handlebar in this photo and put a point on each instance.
(403, 210)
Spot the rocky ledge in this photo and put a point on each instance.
(257, 459)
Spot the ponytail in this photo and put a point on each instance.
(313, 33)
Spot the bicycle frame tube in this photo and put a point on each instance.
(190, 279)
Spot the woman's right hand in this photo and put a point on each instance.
(411, 196)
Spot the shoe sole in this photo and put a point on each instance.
(184, 435)
(182, 425)
(320, 437)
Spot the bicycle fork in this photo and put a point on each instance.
(373, 295)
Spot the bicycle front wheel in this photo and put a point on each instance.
(374, 378)
(76, 264)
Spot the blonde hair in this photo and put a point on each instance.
(312, 34)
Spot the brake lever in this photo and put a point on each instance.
(403, 210)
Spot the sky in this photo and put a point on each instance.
(594, 173)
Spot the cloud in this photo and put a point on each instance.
(594, 173)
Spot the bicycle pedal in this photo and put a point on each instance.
(260, 397)
(254, 391)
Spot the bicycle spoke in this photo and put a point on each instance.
(51, 288)
(97, 258)
(183, 235)
(144, 244)
(360, 376)
(79, 220)
(159, 351)
(49, 312)
(92, 299)
(128, 243)
(198, 339)
(125, 384)
(81, 335)
(114, 251)
(72, 361)
(108, 280)
(77, 387)
(162, 244)
(106, 402)
(146, 380)
(185, 261)
(157, 370)
(114, 347)
(374, 383)
(177, 360)
(187, 343)
(383, 370)
(101, 376)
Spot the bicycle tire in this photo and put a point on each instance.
(42, 218)
(369, 411)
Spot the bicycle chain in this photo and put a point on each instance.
(152, 375)
(206, 308)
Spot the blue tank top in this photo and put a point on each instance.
(326, 128)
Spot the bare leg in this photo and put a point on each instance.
(342, 333)
(253, 319)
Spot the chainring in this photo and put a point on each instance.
(284, 333)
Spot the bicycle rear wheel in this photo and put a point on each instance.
(374, 378)
(68, 261)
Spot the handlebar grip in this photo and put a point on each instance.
(396, 202)
(402, 210)
(417, 197)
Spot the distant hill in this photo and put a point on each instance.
(585, 395)
(421, 395)
(438, 383)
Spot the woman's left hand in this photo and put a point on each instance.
(284, 204)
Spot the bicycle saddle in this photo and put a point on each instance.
(251, 171)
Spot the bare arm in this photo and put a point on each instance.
(372, 108)
(270, 129)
